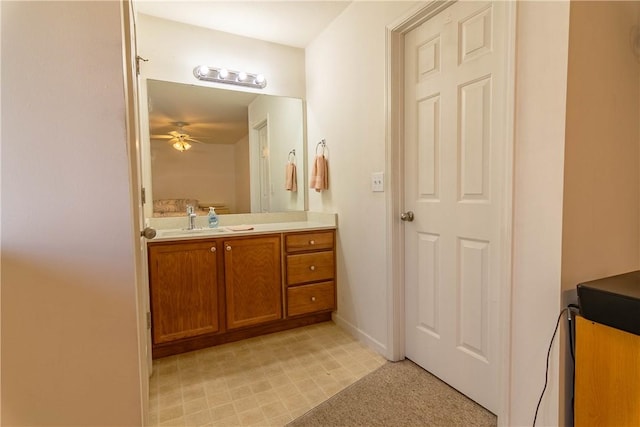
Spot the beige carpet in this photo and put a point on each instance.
(397, 394)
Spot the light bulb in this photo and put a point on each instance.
(242, 76)
(259, 78)
(223, 73)
(203, 70)
(181, 145)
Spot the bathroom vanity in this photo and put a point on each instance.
(216, 286)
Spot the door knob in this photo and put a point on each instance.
(148, 233)
(407, 216)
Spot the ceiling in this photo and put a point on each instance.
(292, 23)
(210, 115)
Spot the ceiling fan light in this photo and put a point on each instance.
(181, 145)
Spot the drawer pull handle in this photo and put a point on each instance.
(312, 242)
(228, 247)
(313, 299)
(312, 268)
(213, 249)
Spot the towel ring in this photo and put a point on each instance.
(292, 155)
(322, 144)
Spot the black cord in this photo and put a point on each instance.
(570, 327)
(570, 318)
(546, 373)
(573, 359)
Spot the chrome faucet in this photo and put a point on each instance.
(191, 215)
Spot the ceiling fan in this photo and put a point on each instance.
(178, 139)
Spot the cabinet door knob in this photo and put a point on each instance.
(228, 248)
(312, 242)
(313, 299)
(213, 249)
(312, 268)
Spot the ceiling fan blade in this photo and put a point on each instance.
(161, 137)
(175, 134)
(193, 140)
(172, 140)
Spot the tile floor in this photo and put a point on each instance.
(262, 381)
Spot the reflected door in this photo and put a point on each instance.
(265, 173)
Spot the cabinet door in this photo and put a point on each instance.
(184, 292)
(253, 281)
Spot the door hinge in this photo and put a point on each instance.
(138, 59)
(148, 320)
(143, 195)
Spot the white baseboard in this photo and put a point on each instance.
(363, 337)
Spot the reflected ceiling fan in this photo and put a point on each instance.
(178, 139)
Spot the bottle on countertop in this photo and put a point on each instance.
(213, 218)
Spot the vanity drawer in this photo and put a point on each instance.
(320, 240)
(310, 298)
(310, 267)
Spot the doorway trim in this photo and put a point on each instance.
(394, 99)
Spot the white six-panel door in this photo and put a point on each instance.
(454, 146)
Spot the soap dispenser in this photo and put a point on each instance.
(213, 218)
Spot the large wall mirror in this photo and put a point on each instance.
(230, 149)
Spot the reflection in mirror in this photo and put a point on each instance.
(223, 148)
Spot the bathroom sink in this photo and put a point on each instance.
(185, 232)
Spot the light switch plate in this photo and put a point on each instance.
(377, 181)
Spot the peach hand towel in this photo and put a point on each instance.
(291, 177)
(320, 174)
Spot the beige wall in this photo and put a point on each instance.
(602, 182)
(541, 81)
(348, 110)
(601, 222)
(69, 343)
(174, 49)
(206, 172)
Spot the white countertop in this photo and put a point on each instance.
(314, 221)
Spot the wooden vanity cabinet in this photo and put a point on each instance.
(253, 281)
(310, 272)
(217, 290)
(184, 290)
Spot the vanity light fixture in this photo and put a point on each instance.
(223, 75)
